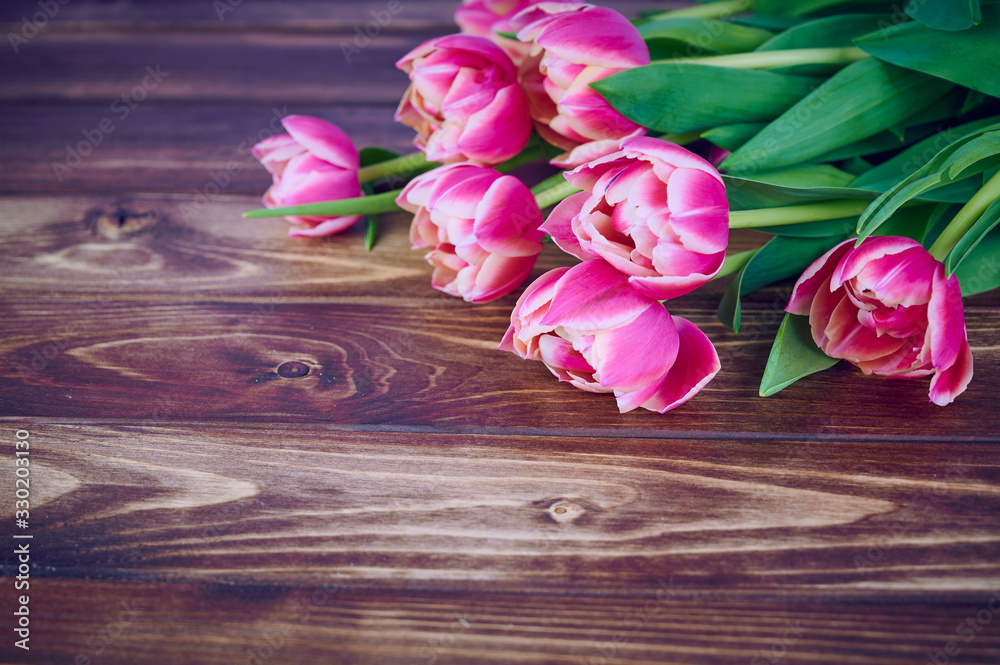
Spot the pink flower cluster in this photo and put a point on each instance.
(650, 224)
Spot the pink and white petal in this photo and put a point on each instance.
(821, 308)
(671, 260)
(507, 219)
(638, 353)
(595, 36)
(498, 276)
(949, 383)
(319, 186)
(814, 278)
(594, 296)
(328, 227)
(558, 352)
(459, 189)
(559, 225)
(945, 320)
(902, 363)
(539, 293)
(697, 363)
(902, 279)
(874, 247)
(900, 322)
(851, 340)
(498, 131)
(668, 287)
(705, 231)
(666, 154)
(323, 139)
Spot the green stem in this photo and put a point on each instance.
(966, 218)
(800, 214)
(363, 205)
(775, 59)
(735, 262)
(402, 164)
(554, 194)
(720, 9)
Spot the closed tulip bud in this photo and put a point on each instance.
(481, 226)
(464, 101)
(594, 331)
(315, 161)
(887, 307)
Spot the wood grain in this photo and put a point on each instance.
(301, 504)
(122, 623)
(392, 361)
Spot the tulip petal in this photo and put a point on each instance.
(507, 219)
(816, 277)
(851, 340)
(871, 249)
(500, 130)
(557, 352)
(498, 276)
(594, 296)
(697, 363)
(902, 279)
(327, 227)
(595, 36)
(636, 354)
(945, 319)
(323, 139)
(666, 154)
(559, 225)
(952, 382)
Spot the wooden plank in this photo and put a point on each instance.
(394, 360)
(776, 518)
(145, 246)
(207, 67)
(197, 150)
(276, 15)
(92, 622)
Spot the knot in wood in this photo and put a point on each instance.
(121, 220)
(293, 370)
(565, 511)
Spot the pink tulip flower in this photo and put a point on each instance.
(464, 101)
(888, 308)
(315, 161)
(593, 330)
(482, 227)
(486, 18)
(572, 45)
(653, 210)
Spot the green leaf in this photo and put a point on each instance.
(964, 158)
(806, 176)
(829, 32)
(780, 258)
(898, 168)
(800, 7)
(840, 228)
(748, 193)
(859, 101)
(684, 97)
(793, 356)
(983, 226)
(946, 14)
(966, 57)
(979, 271)
(731, 137)
(702, 34)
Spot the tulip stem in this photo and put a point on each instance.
(411, 164)
(363, 205)
(720, 9)
(966, 218)
(800, 214)
(775, 59)
(553, 194)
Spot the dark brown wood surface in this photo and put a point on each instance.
(417, 497)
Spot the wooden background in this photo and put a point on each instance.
(417, 497)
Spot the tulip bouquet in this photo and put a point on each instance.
(863, 138)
